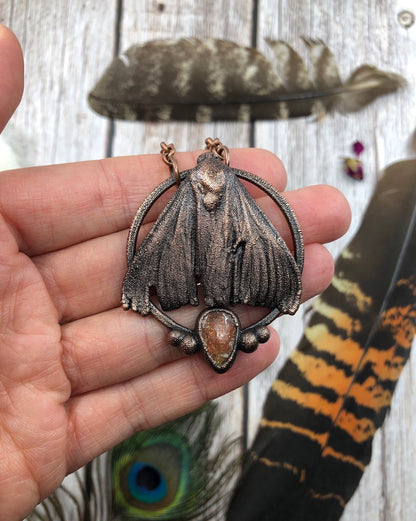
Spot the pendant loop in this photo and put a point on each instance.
(168, 152)
(216, 147)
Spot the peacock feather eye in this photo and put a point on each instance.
(172, 472)
(146, 483)
(151, 474)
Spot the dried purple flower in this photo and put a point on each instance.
(357, 148)
(354, 168)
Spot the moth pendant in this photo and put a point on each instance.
(213, 244)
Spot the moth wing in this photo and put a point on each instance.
(258, 268)
(165, 260)
(269, 275)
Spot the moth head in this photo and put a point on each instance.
(208, 180)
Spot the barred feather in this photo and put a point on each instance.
(204, 80)
(334, 392)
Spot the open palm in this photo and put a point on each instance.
(77, 373)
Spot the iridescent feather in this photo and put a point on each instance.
(172, 472)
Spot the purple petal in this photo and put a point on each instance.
(357, 148)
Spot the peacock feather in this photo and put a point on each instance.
(173, 472)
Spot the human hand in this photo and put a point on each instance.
(77, 373)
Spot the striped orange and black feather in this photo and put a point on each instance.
(334, 391)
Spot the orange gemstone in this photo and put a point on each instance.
(218, 331)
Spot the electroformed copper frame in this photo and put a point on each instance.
(219, 348)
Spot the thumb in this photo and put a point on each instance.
(11, 74)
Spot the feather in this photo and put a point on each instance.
(171, 472)
(204, 80)
(334, 391)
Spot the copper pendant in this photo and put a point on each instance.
(212, 234)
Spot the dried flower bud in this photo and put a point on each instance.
(354, 168)
(357, 148)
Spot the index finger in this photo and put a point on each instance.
(53, 207)
(11, 74)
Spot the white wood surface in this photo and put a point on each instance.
(68, 43)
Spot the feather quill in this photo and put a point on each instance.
(334, 391)
(206, 80)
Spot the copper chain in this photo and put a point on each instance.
(212, 145)
(216, 147)
(168, 152)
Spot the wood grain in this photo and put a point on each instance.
(68, 44)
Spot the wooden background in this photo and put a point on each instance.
(68, 43)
